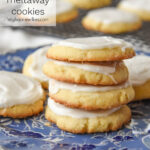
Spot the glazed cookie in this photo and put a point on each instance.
(111, 20)
(33, 66)
(96, 73)
(65, 12)
(139, 74)
(90, 97)
(91, 49)
(20, 96)
(82, 121)
(138, 7)
(88, 4)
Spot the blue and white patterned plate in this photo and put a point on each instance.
(32, 133)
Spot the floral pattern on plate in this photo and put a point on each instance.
(37, 134)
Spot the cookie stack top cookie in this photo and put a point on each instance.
(91, 49)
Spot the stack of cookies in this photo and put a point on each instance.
(88, 84)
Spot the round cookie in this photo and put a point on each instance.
(33, 66)
(81, 121)
(138, 7)
(20, 96)
(91, 49)
(88, 4)
(139, 75)
(65, 12)
(111, 20)
(90, 97)
(96, 73)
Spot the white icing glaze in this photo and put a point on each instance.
(55, 86)
(38, 60)
(136, 4)
(62, 110)
(94, 43)
(18, 89)
(139, 69)
(95, 67)
(112, 15)
(62, 6)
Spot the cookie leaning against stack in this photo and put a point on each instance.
(90, 86)
(139, 75)
(33, 66)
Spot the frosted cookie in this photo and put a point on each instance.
(20, 96)
(96, 73)
(91, 49)
(82, 121)
(138, 7)
(90, 4)
(139, 74)
(111, 20)
(90, 97)
(65, 12)
(33, 66)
